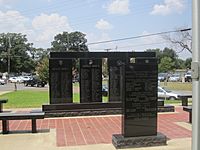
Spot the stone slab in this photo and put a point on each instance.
(166, 108)
(119, 141)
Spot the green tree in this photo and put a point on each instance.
(20, 60)
(167, 52)
(157, 51)
(188, 62)
(166, 64)
(43, 69)
(74, 41)
(179, 64)
(39, 53)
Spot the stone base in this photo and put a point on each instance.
(166, 108)
(83, 113)
(119, 141)
(82, 109)
(89, 109)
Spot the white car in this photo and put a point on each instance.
(14, 79)
(166, 94)
(175, 78)
(2, 81)
(25, 78)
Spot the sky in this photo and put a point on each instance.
(100, 20)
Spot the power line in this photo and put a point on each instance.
(140, 36)
(130, 46)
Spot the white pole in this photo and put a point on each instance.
(195, 75)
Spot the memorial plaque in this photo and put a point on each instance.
(60, 81)
(139, 80)
(114, 78)
(90, 80)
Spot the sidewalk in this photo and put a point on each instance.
(4, 92)
(90, 133)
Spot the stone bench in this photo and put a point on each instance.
(5, 117)
(188, 109)
(2, 101)
(184, 99)
(160, 102)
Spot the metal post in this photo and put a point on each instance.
(9, 55)
(195, 75)
(67, 41)
(107, 49)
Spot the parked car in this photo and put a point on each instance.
(2, 81)
(167, 94)
(175, 78)
(14, 80)
(188, 77)
(75, 78)
(104, 90)
(162, 76)
(25, 78)
(35, 81)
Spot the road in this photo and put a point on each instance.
(11, 87)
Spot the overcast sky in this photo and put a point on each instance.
(100, 20)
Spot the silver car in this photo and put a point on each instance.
(2, 81)
(167, 94)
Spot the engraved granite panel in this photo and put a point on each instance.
(90, 80)
(140, 98)
(60, 81)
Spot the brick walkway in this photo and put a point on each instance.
(97, 130)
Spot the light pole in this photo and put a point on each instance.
(9, 55)
(67, 41)
(195, 75)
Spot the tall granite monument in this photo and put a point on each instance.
(139, 98)
(90, 80)
(60, 80)
(114, 78)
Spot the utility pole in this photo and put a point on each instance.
(107, 49)
(195, 75)
(67, 41)
(9, 55)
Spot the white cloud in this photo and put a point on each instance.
(118, 7)
(151, 39)
(13, 21)
(103, 25)
(4, 1)
(39, 31)
(7, 4)
(47, 26)
(101, 37)
(169, 7)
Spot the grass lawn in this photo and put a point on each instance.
(177, 102)
(32, 99)
(35, 99)
(187, 86)
(25, 99)
(173, 102)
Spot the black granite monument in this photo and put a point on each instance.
(90, 80)
(60, 80)
(139, 98)
(114, 79)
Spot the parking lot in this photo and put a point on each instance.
(20, 86)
